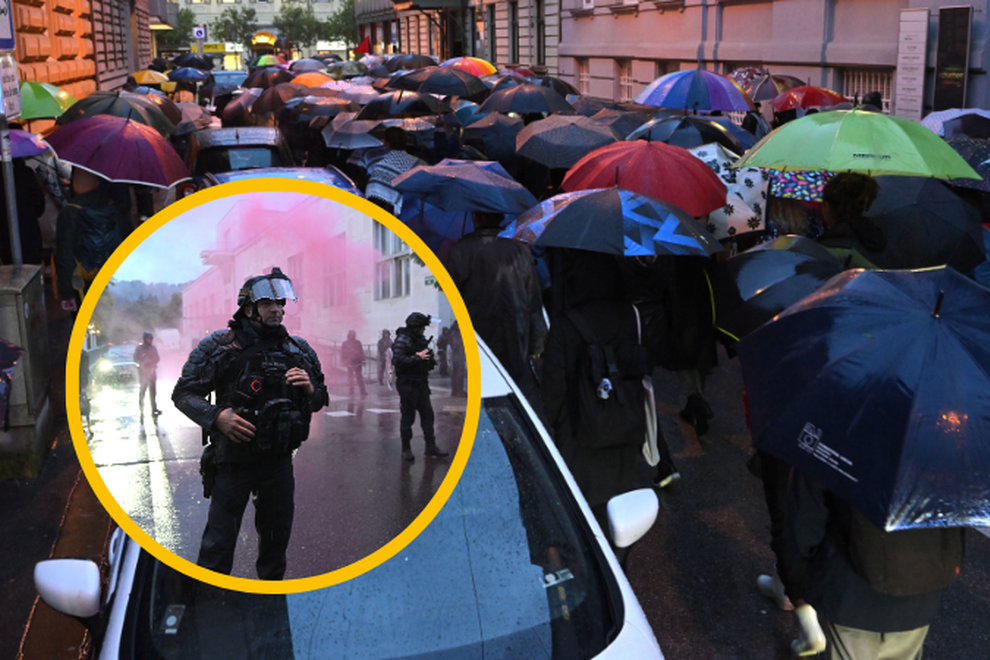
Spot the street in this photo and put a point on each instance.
(353, 493)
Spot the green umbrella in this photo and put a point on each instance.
(857, 141)
(43, 101)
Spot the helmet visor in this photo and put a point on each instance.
(272, 288)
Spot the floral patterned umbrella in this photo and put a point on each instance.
(806, 186)
(745, 208)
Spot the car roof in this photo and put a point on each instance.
(246, 135)
(327, 175)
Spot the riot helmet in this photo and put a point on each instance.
(417, 320)
(147, 336)
(275, 286)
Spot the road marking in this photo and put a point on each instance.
(382, 411)
(454, 409)
(340, 413)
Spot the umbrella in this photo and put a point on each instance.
(188, 74)
(213, 90)
(160, 101)
(238, 111)
(43, 101)
(974, 126)
(494, 135)
(311, 79)
(746, 190)
(149, 77)
(342, 70)
(194, 60)
(467, 112)
(306, 65)
(622, 122)
(360, 94)
(935, 121)
(526, 99)
(24, 144)
(352, 134)
(747, 74)
(695, 89)
(420, 131)
(194, 118)
(409, 62)
(518, 71)
(926, 224)
(613, 221)
(976, 152)
(267, 77)
(806, 186)
(556, 84)
(806, 96)
(463, 185)
(497, 83)
(588, 106)
(668, 173)
(440, 80)
(688, 132)
(119, 149)
(858, 141)
(754, 286)
(305, 109)
(119, 104)
(769, 86)
(400, 104)
(876, 387)
(560, 141)
(266, 60)
(472, 65)
(272, 99)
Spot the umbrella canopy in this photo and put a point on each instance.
(858, 141)
(746, 189)
(754, 286)
(526, 99)
(267, 77)
(466, 185)
(926, 224)
(311, 79)
(352, 134)
(695, 89)
(266, 60)
(440, 80)
(769, 86)
(400, 104)
(876, 387)
(668, 173)
(119, 149)
(622, 122)
(806, 186)
(409, 62)
(188, 74)
(24, 144)
(342, 70)
(976, 153)
(194, 60)
(935, 121)
(588, 106)
(149, 77)
(562, 87)
(688, 132)
(119, 104)
(43, 101)
(747, 74)
(194, 117)
(806, 96)
(560, 141)
(972, 125)
(360, 94)
(238, 111)
(613, 221)
(306, 65)
(472, 65)
(272, 99)
(304, 109)
(162, 102)
(494, 135)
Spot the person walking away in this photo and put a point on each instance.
(384, 344)
(413, 361)
(443, 344)
(352, 357)
(267, 385)
(146, 356)
(394, 163)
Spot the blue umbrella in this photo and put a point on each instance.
(188, 74)
(613, 221)
(878, 387)
(465, 185)
(695, 89)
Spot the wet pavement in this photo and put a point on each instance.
(353, 492)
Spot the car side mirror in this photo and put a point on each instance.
(631, 515)
(71, 586)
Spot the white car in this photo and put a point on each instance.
(514, 566)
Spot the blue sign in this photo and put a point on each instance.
(6, 25)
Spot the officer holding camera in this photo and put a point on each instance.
(413, 360)
(267, 386)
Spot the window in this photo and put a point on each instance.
(857, 82)
(492, 54)
(513, 32)
(394, 269)
(541, 32)
(583, 76)
(623, 69)
(334, 272)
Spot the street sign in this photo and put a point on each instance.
(10, 92)
(199, 32)
(214, 48)
(6, 25)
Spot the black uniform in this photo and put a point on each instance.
(246, 368)
(412, 382)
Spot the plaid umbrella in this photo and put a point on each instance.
(560, 141)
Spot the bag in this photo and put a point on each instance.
(905, 562)
(609, 398)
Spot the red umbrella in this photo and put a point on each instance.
(807, 96)
(663, 171)
(119, 149)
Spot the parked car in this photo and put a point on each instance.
(230, 77)
(116, 365)
(219, 150)
(329, 175)
(513, 566)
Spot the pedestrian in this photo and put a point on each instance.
(30, 204)
(458, 363)
(384, 345)
(846, 197)
(498, 281)
(394, 163)
(352, 357)
(267, 386)
(87, 233)
(413, 361)
(146, 357)
(443, 344)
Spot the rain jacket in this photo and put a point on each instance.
(863, 235)
(408, 365)
(351, 353)
(211, 368)
(87, 232)
(146, 356)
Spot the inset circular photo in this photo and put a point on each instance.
(278, 386)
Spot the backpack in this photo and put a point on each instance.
(906, 562)
(608, 394)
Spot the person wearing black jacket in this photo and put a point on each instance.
(413, 360)
(267, 386)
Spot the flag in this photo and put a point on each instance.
(364, 46)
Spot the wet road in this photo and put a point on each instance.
(353, 493)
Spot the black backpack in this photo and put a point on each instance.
(608, 396)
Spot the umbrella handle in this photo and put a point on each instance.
(938, 305)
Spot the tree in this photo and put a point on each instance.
(182, 34)
(236, 26)
(297, 24)
(342, 25)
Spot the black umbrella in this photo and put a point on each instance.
(494, 135)
(194, 117)
(688, 132)
(926, 224)
(588, 106)
(440, 80)
(119, 104)
(526, 99)
(976, 153)
(238, 111)
(459, 185)
(562, 87)
(273, 98)
(623, 122)
(497, 83)
(212, 90)
(160, 101)
(306, 64)
(409, 62)
(268, 76)
(352, 134)
(400, 104)
(973, 126)
(560, 141)
(194, 60)
(304, 109)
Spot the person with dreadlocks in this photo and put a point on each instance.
(845, 198)
(267, 386)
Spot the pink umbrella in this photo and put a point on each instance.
(120, 150)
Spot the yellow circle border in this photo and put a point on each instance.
(457, 465)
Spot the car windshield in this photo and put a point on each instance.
(508, 568)
(231, 158)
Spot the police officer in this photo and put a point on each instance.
(413, 360)
(146, 356)
(267, 385)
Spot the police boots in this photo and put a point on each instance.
(407, 454)
(434, 451)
